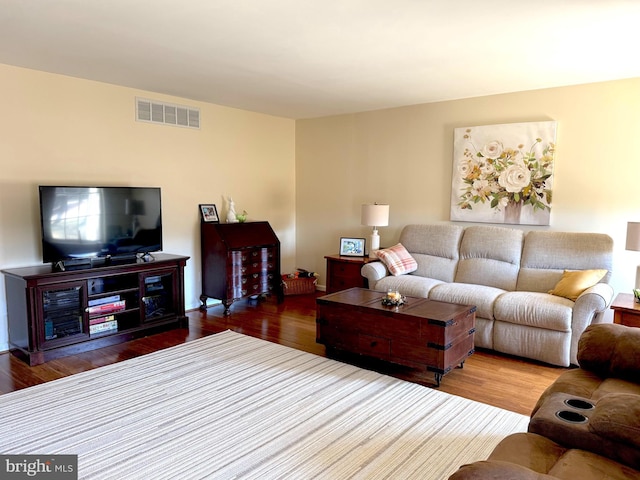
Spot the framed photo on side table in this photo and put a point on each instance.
(352, 247)
(209, 213)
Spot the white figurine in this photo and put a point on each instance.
(231, 213)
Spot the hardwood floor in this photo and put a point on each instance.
(506, 382)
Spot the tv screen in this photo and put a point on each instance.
(90, 222)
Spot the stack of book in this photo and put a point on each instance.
(101, 314)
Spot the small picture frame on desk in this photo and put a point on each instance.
(209, 213)
(352, 247)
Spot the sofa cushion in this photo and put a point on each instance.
(411, 285)
(490, 256)
(611, 385)
(435, 248)
(527, 456)
(535, 310)
(617, 417)
(537, 279)
(497, 470)
(584, 465)
(545, 456)
(430, 266)
(397, 259)
(481, 296)
(574, 282)
(545, 255)
(529, 450)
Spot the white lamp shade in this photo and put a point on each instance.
(633, 236)
(375, 215)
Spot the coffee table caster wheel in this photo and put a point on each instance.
(438, 377)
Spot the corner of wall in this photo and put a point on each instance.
(4, 339)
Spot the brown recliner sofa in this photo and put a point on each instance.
(586, 425)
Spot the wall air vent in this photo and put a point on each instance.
(159, 112)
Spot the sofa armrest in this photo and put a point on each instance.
(611, 350)
(374, 272)
(497, 470)
(602, 290)
(592, 301)
(610, 428)
(588, 308)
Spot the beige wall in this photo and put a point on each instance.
(62, 130)
(308, 178)
(403, 157)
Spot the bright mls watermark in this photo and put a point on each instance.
(50, 467)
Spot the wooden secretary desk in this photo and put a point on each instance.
(239, 260)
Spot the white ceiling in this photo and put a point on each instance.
(310, 58)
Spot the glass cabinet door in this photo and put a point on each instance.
(158, 295)
(63, 315)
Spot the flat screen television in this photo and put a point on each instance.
(80, 224)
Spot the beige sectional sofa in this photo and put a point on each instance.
(507, 273)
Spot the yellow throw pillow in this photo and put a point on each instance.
(574, 282)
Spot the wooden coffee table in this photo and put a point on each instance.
(421, 333)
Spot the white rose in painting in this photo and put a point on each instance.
(492, 149)
(464, 168)
(514, 178)
(487, 170)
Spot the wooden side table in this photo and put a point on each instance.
(625, 310)
(344, 272)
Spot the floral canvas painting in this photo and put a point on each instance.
(503, 173)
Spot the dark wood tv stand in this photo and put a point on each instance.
(57, 313)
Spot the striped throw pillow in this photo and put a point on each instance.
(397, 259)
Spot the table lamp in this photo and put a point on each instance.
(375, 216)
(633, 243)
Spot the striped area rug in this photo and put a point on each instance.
(232, 406)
